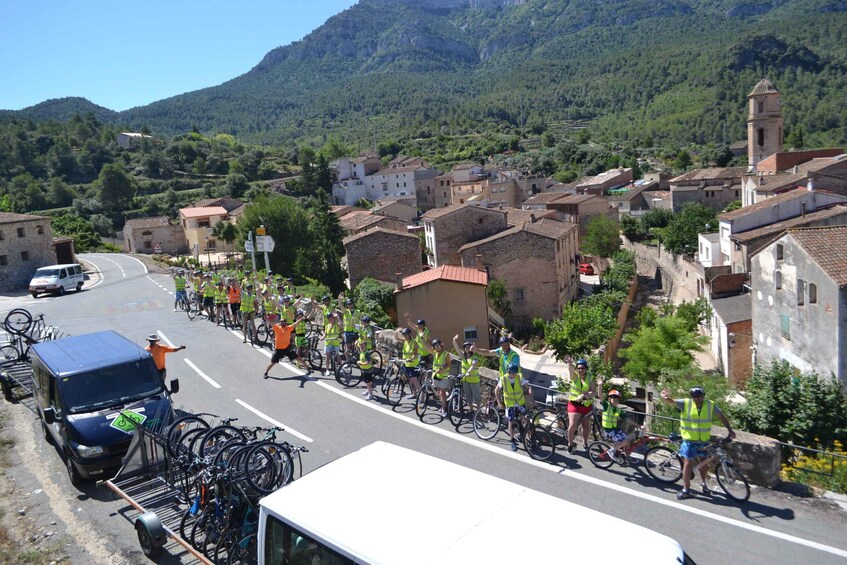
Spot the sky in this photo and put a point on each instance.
(126, 53)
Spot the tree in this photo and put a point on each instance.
(602, 238)
(681, 234)
(236, 185)
(682, 160)
(619, 276)
(630, 227)
(732, 206)
(498, 297)
(584, 325)
(376, 300)
(74, 226)
(102, 225)
(225, 231)
(115, 189)
(667, 345)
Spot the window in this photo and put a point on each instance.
(479, 221)
(21, 232)
(813, 293)
(801, 292)
(24, 255)
(785, 326)
(203, 224)
(780, 252)
(4, 260)
(39, 230)
(760, 137)
(148, 245)
(470, 333)
(761, 107)
(285, 544)
(520, 293)
(777, 279)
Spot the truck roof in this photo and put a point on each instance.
(83, 353)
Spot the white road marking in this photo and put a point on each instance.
(99, 272)
(273, 422)
(140, 262)
(202, 374)
(164, 337)
(588, 479)
(123, 274)
(298, 372)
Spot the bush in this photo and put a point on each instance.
(819, 470)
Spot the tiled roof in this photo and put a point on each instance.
(796, 222)
(780, 181)
(377, 231)
(631, 193)
(545, 197)
(603, 177)
(396, 170)
(441, 212)
(765, 204)
(344, 210)
(12, 218)
(446, 273)
(711, 173)
(363, 158)
(154, 222)
(657, 194)
(734, 308)
(203, 212)
(822, 164)
(826, 247)
(516, 217)
(235, 212)
(358, 219)
(763, 87)
(546, 227)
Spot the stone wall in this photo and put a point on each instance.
(758, 457)
(381, 255)
(21, 255)
(679, 275)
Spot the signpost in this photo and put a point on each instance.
(248, 246)
(265, 243)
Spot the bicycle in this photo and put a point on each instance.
(555, 421)
(194, 305)
(729, 478)
(536, 440)
(349, 375)
(487, 420)
(17, 349)
(659, 461)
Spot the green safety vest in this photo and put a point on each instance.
(220, 296)
(579, 386)
(287, 313)
(367, 335)
(208, 290)
(410, 354)
(271, 306)
(473, 375)
(365, 361)
(351, 318)
(507, 359)
(512, 393)
(611, 416)
(695, 425)
(332, 335)
(441, 365)
(300, 333)
(179, 283)
(248, 303)
(423, 338)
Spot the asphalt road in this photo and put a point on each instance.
(220, 375)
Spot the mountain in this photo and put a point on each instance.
(62, 109)
(667, 71)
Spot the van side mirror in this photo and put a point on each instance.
(49, 416)
(174, 386)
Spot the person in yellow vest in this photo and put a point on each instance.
(422, 336)
(301, 343)
(470, 371)
(580, 403)
(248, 312)
(411, 361)
(350, 321)
(695, 427)
(221, 314)
(332, 339)
(179, 288)
(208, 290)
(366, 366)
(515, 390)
(614, 419)
(440, 372)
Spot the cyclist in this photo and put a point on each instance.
(613, 421)
(233, 294)
(179, 288)
(221, 310)
(505, 352)
(300, 340)
(515, 390)
(695, 427)
(350, 321)
(367, 333)
(208, 290)
(158, 352)
(580, 403)
(366, 366)
(423, 338)
(248, 312)
(324, 308)
(411, 361)
(440, 372)
(470, 371)
(332, 339)
(283, 347)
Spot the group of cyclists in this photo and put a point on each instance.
(235, 299)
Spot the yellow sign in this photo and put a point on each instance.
(260, 230)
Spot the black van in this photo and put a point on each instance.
(87, 388)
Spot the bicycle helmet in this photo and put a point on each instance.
(406, 331)
(421, 322)
(325, 298)
(366, 319)
(582, 362)
(286, 298)
(467, 344)
(349, 302)
(513, 367)
(697, 391)
(249, 287)
(299, 313)
(504, 339)
(435, 342)
(614, 393)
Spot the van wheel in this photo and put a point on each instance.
(78, 286)
(61, 291)
(34, 294)
(46, 433)
(73, 473)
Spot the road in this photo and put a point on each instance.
(218, 374)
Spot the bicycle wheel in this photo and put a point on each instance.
(263, 334)
(552, 421)
(186, 524)
(424, 400)
(9, 353)
(316, 360)
(396, 391)
(732, 482)
(538, 443)
(18, 321)
(215, 439)
(486, 421)
(191, 307)
(387, 378)
(179, 428)
(456, 410)
(267, 467)
(663, 464)
(598, 452)
(348, 374)
(224, 545)
(376, 360)
(244, 552)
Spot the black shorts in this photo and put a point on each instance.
(234, 307)
(291, 353)
(350, 337)
(368, 375)
(208, 301)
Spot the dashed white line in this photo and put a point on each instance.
(267, 418)
(123, 274)
(146, 270)
(208, 379)
(99, 272)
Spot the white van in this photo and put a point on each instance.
(57, 278)
(328, 517)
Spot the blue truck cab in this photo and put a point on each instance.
(87, 388)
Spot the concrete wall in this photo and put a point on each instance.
(679, 275)
(23, 255)
(449, 308)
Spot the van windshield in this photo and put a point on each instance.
(46, 273)
(110, 386)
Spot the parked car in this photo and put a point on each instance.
(586, 269)
(57, 278)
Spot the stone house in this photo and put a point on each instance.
(599, 184)
(362, 220)
(799, 310)
(127, 140)
(396, 181)
(448, 229)
(26, 244)
(658, 199)
(197, 224)
(403, 210)
(537, 261)
(730, 330)
(714, 187)
(443, 191)
(453, 301)
(350, 173)
(573, 208)
(146, 235)
(823, 173)
(382, 254)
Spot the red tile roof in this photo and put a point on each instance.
(826, 247)
(203, 211)
(447, 273)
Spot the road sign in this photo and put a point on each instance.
(265, 243)
(248, 246)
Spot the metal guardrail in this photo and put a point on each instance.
(791, 460)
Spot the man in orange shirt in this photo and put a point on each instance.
(283, 346)
(158, 352)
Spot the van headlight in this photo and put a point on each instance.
(85, 451)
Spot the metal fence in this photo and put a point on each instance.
(792, 454)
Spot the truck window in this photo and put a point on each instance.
(55, 399)
(285, 545)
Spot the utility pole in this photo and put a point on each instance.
(261, 231)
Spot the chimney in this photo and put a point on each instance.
(399, 277)
(795, 169)
(532, 218)
(810, 186)
(803, 208)
(478, 263)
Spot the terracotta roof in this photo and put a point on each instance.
(154, 222)
(203, 211)
(657, 194)
(765, 204)
(545, 198)
(826, 247)
(796, 222)
(363, 158)
(823, 163)
(446, 273)
(603, 177)
(711, 173)
(377, 231)
(236, 212)
(515, 217)
(466, 166)
(357, 220)
(396, 170)
(546, 227)
(763, 87)
(344, 210)
(441, 212)
(12, 218)
(780, 181)
(631, 193)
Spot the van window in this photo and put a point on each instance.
(110, 386)
(289, 546)
(55, 399)
(77, 270)
(64, 274)
(47, 272)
